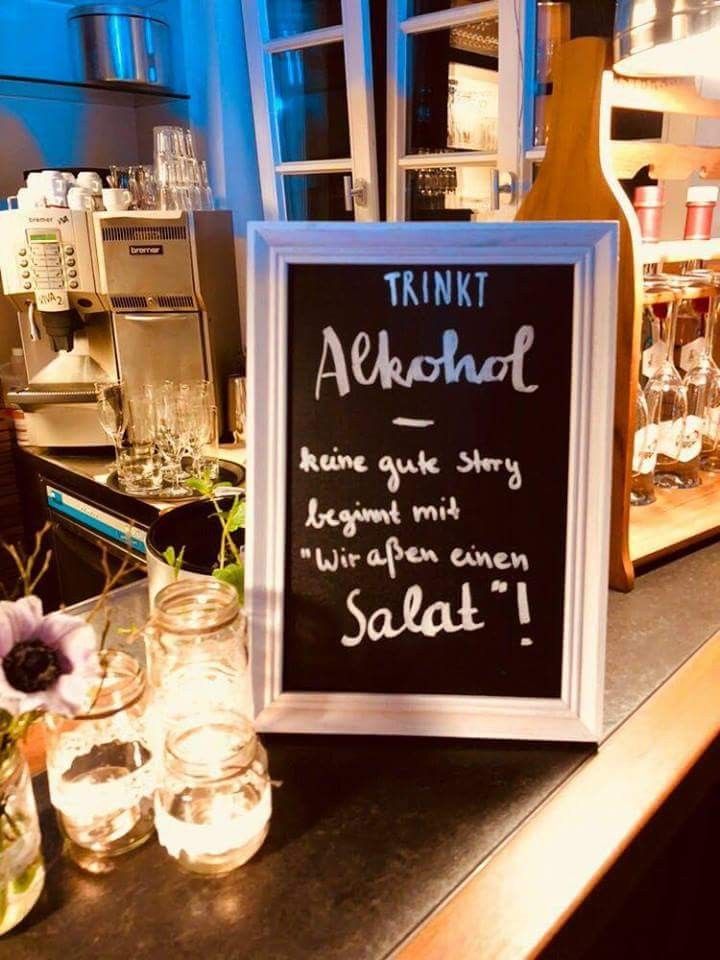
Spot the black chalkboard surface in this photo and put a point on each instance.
(429, 424)
(498, 461)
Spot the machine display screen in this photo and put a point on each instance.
(43, 237)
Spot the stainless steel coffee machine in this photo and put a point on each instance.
(139, 296)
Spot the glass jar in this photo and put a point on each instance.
(22, 873)
(213, 802)
(197, 653)
(100, 767)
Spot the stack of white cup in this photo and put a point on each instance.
(51, 188)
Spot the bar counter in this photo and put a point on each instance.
(420, 848)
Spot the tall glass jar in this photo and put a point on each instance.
(100, 767)
(197, 654)
(213, 802)
(22, 873)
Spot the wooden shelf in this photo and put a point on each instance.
(678, 251)
(677, 518)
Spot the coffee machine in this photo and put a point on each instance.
(137, 296)
(168, 280)
(47, 270)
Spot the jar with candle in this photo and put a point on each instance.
(213, 802)
(100, 768)
(197, 654)
(22, 872)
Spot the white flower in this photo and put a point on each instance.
(46, 663)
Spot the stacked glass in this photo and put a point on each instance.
(163, 434)
(678, 415)
(182, 179)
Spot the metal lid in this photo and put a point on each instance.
(110, 10)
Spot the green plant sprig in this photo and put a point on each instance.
(231, 520)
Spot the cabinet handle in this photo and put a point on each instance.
(355, 194)
(505, 183)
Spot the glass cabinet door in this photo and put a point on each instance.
(311, 79)
(456, 118)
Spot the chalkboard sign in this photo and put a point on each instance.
(429, 477)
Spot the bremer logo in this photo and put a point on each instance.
(148, 250)
(41, 220)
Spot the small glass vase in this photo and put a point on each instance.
(213, 802)
(197, 654)
(100, 768)
(22, 873)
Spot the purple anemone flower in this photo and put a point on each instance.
(46, 663)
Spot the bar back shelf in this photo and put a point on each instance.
(579, 180)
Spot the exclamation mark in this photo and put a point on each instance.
(523, 610)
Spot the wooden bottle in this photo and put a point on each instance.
(576, 182)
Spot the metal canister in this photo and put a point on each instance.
(120, 44)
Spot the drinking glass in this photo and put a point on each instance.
(202, 426)
(208, 200)
(702, 379)
(141, 419)
(111, 412)
(704, 375)
(237, 407)
(181, 179)
(140, 471)
(173, 427)
(667, 403)
(642, 490)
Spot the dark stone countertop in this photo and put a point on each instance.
(369, 835)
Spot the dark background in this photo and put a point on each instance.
(532, 428)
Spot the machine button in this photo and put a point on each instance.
(25, 274)
(73, 284)
(70, 262)
(27, 285)
(70, 250)
(22, 252)
(72, 273)
(23, 263)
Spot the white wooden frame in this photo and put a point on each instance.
(516, 19)
(592, 249)
(354, 34)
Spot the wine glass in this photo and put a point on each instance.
(201, 420)
(703, 378)
(111, 413)
(172, 421)
(667, 402)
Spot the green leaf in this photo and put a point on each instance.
(203, 485)
(235, 518)
(234, 574)
(174, 560)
